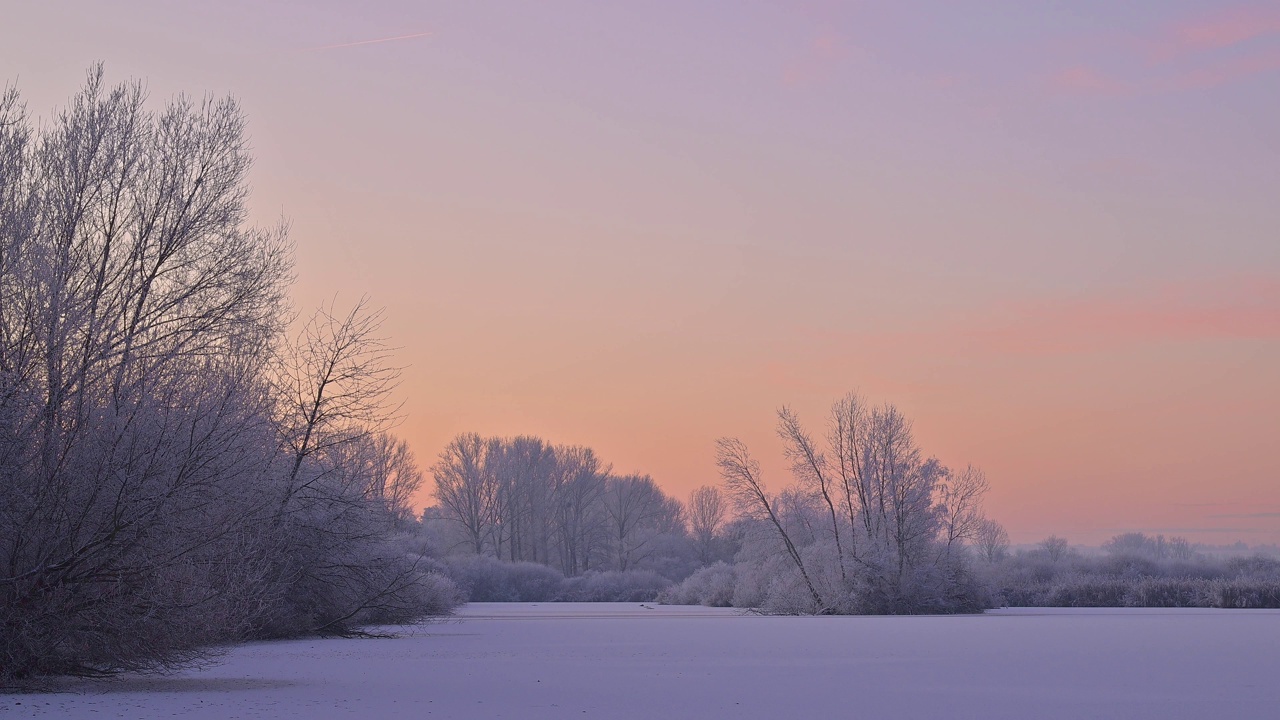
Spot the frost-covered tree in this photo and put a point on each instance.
(524, 470)
(1055, 548)
(638, 514)
(992, 540)
(147, 505)
(524, 500)
(872, 524)
(706, 515)
(135, 313)
(467, 488)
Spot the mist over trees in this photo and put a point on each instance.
(177, 472)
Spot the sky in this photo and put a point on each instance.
(1047, 231)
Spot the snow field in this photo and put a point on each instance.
(586, 660)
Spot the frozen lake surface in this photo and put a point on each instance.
(584, 660)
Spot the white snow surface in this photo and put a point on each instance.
(596, 660)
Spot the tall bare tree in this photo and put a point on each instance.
(580, 525)
(467, 487)
(637, 512)
(742, 481)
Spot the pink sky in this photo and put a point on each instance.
(1049, 234)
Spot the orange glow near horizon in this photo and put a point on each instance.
(640, 227)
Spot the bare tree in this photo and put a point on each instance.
(156, 495)
(334, 382)
(525, 470)
(891, 519)
(390, 474)
(332, 512)
(810, 467)
(706, 516)
(580, 523)
(741, 475)
(467, 488)
(522, 499)
(992, 540)
(638, 512)
(961, 505)
(1055, 547)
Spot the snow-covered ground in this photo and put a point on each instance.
(638, 661)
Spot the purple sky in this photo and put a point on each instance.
(1048, 231)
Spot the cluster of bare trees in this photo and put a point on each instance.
(174, 472)
(522, 499)
(1155, 547)
(871, 524)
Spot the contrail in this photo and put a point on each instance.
(367, 42)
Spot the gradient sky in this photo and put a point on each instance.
(1048, 231)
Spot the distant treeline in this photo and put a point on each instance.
(1136, 570)
(869, 525)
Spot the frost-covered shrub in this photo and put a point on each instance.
(1245, 593)
(711, 586)
(1076, 591)
(1129, 567)
(425, 594)
(773, 586)
(438, 594)
(1168, 592)
(753, 578)
(1257, 566)
(785, 593)
(487, 579)
(837, 591)
(1128, 580)
(613, 586)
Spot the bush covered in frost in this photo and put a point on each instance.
(613, 586)
(486, 579)
(712, 586)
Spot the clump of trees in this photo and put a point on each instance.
(175, 472)
(870, 524)
(523, 500)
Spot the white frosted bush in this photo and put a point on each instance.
(711, 586)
